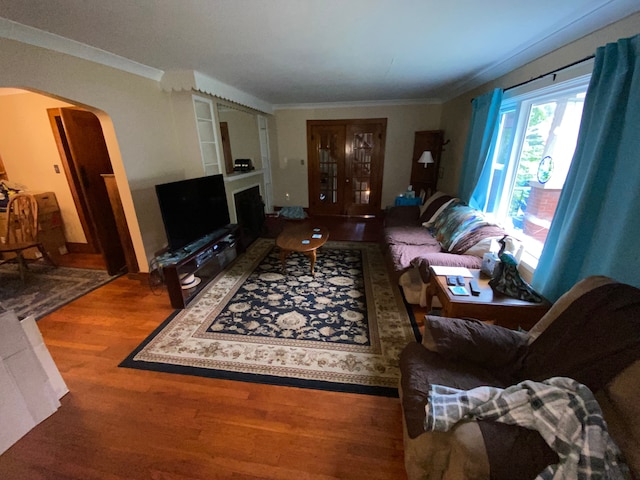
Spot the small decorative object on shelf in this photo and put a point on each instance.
(410, 193)
(489, 262)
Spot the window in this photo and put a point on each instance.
(531, 158)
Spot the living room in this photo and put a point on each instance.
(143, 155)
(295, 434)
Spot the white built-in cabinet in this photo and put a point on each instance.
(207, 134)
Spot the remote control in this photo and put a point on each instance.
(460, 280)
(451, 280)
(475, 289)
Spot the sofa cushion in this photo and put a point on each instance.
(421, 367)
(583, 287)
(418, 236)
(402, 216)
(620, 406)
(489, 345)
(591, 340)
(443, 259)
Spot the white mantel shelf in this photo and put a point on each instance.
(239, 176)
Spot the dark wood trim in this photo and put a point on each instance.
(121, 222)
(75, 247)
(55, 119)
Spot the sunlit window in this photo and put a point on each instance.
(536, 141)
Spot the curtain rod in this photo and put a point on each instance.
(553, 72)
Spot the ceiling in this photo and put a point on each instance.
(288, 52)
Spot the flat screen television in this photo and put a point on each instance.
(192, 209)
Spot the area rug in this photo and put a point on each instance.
(341, 330)
(46, 288)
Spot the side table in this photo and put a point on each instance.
(489, 306)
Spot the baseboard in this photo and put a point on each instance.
(74, 247)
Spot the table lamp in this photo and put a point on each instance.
(426, 158)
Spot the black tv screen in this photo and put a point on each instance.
(192, 209)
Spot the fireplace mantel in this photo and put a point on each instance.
(240, 175)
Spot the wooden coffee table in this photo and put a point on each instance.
(299, 238)
(488, 306)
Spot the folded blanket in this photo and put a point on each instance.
(564, 412)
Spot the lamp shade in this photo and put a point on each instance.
(426, 158)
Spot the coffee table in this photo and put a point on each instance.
(488, 306)
(299, 238)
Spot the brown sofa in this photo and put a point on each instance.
(591, 334)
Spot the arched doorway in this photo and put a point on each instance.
(78, 144)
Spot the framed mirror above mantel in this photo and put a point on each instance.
(228, 134)
(239, 138)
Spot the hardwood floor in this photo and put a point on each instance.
(118, 423)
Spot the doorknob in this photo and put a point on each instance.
(347, 180)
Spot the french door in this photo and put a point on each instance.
(345, 165)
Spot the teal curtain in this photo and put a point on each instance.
(596, 228)
(483, 131)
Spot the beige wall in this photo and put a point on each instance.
(136, 117)
(456, 113)
(290, 167)
(29, 153)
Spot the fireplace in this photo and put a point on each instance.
(250, 214)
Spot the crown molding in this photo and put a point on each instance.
(192, 80)
(39, 38)
(356, 104)
(599, 17)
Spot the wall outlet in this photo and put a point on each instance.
(302, 162)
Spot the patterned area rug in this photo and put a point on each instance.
(342, 329)
(46, 288)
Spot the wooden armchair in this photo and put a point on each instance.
(21, 232)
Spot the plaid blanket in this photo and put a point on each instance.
(564, 411)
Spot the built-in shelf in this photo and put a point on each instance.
(240, 175)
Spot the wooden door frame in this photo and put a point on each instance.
(79, 199)
(376, 176)
(99, 220)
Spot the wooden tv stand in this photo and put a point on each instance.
(204, 258)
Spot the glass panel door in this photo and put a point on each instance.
(345, 166)
(361, 168)
(326, 168)
(364, 153)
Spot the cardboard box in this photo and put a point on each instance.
(47, 202)
(30, 392)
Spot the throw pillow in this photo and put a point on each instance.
(477, 241)
(433, 206)
(472, 340)
(455, 222)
